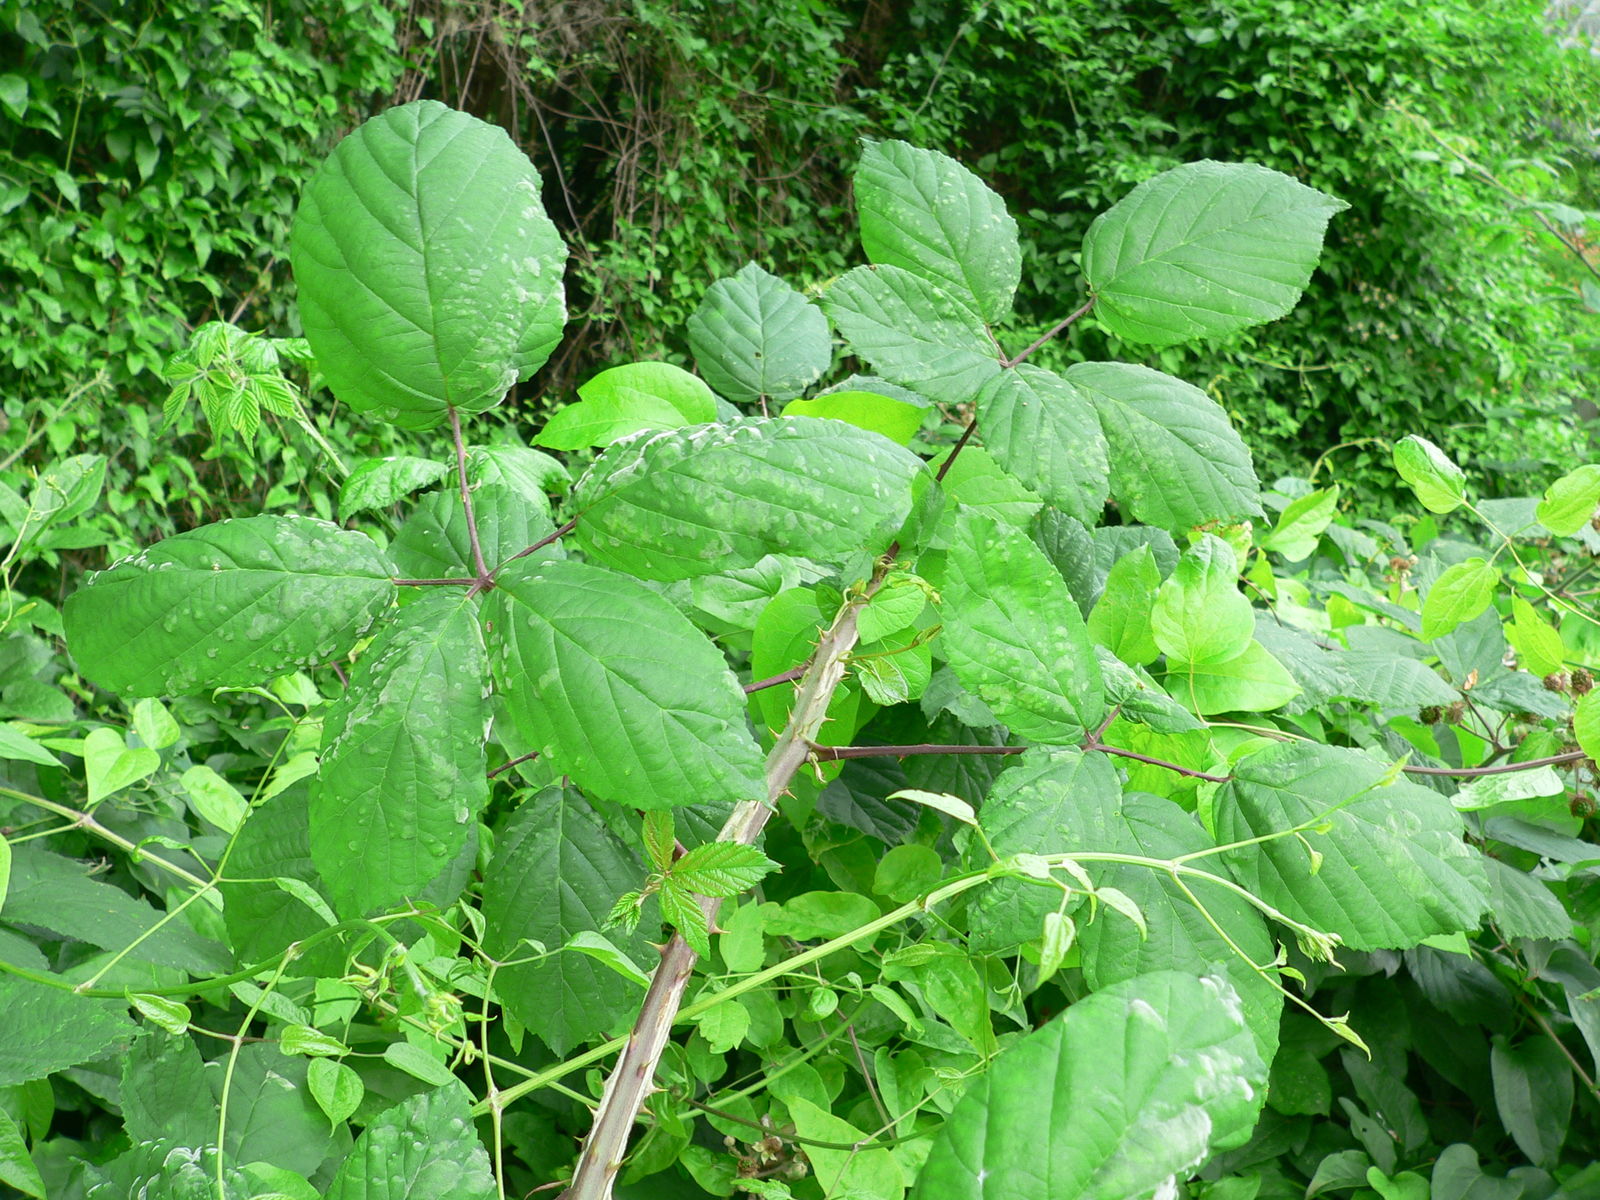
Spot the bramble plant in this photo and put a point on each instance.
(996, 842)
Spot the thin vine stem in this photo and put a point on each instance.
(545, 541)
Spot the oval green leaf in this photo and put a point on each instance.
(614, 686)
(1204, 250)
(754, 335)
(429, 276)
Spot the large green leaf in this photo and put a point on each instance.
(421, 1149)
(49, 1029)
(928, 214)
(1251, 681)
(380, 482)
(714, 498)
(754, 335)
(230, 604)
(1392, 867)
(1130, 1088)
(616, 688)
(403, 768)
(165, 1093)
(170, 1171)
(1013, 634)
(1027, 812)
(1177, 934)
(435, 543)
(1203, 250)
(429, 276)
(1046, 433)
(557, 871)
(271, 1114)
(913, 332)
(1176, 461)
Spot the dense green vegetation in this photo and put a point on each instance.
(1031, 709)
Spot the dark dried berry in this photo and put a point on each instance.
(1456, 711)
(1582, 681)
(1431, 715)
(1581, 805)
(1557, 681)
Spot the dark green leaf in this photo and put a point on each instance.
(403, 766)
(1533, 1090)
(754, 335)
(230, 604)
(165, 1093)
(428, 273)
(557, 870)
(49, 1029)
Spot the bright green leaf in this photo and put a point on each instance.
(428, 274)
(926, 213)
(380, 482)
(1120, 620)
(1200, 616)
(1570, 501)
(1204, 250)
(1300, 525)
(1254, 681)
(723, 869)
(1163, 1062)
(1586, 724)
(418, 1063)
(111, 765)
(18, 746)
(895, 419)
(629, 399)
(1438, 482)
(335, 1087)
(1459, 594)
(1538, 644)
(1013, 634)
(154, 724)
(17, 1169)
(214, 798)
